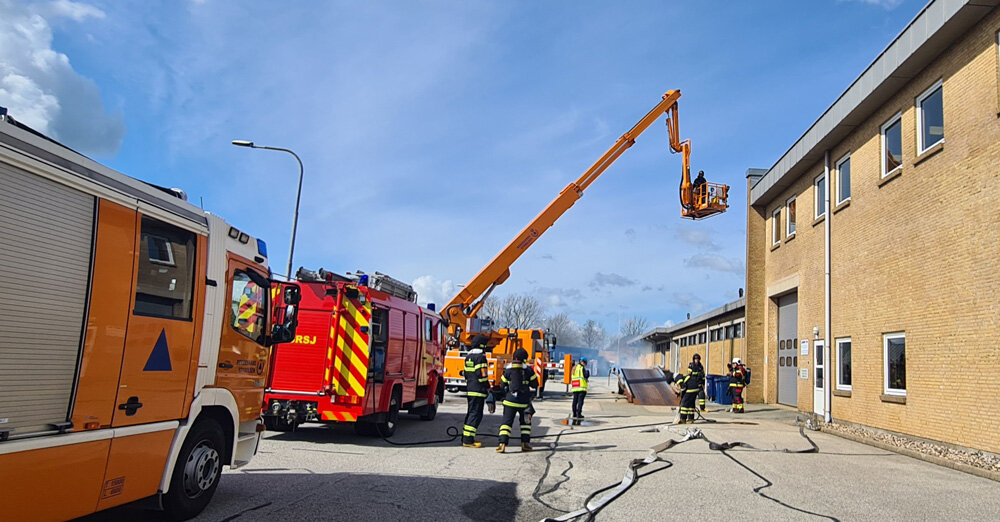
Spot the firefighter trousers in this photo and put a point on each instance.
(737, 392)
(688, 400)
(508, 424)
(473, 416)
(578, 398)
(701, 399)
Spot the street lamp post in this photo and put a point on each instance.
(298, 196)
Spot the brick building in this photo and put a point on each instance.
(876, 235)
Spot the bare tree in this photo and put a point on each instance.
(634, 326)
(593, 334)
(567, 332)
(518, 311)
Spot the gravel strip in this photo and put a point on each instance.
(979, 459)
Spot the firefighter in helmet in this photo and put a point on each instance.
(477, 388)
(737, 380)
(699, 371)
(518, 380)
(690, 384)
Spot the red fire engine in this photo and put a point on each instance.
(364, 350)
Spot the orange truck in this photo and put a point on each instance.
(364, 351)
(135, 346)
(536, 342)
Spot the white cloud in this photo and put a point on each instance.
(73, 10)
(39, 86)
(432, 290)
(697, 237)
(668, 323)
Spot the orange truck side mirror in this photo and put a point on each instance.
(567, 367)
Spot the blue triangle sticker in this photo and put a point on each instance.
(159, 358)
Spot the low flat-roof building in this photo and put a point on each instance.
(873, 244)
(717, 335)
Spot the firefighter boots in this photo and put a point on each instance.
(473, 444)
(501, 448)
(526, 447)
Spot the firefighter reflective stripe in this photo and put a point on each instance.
(342, 416)
(579, 381)
(468, 431)
(475, 394)
(526, 429)
(351, 350)
(504, 430)
(514, 404)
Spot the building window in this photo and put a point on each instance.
(701, 338)
(776, 226)
(844, 179)
(895, 363)
(930, 118)
(819, 186)
(790, 217)
(159, 251)
(844, 364)
(892, 145)
(738, 330)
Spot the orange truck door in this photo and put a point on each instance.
(161, 326)
(242, 354)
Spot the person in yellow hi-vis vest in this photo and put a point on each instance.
(579, 386)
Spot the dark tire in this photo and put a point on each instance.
(388, 427)
(453, 389)
(197, 471)
(427, 413)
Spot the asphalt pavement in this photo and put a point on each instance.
(326, 472)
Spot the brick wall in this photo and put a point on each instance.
(917, 253)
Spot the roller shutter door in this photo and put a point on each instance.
(45, 256)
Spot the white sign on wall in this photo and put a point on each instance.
(804, 373)
(805, 348)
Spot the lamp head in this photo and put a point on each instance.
(243, 143)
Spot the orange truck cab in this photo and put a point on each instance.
(536, 342)
(364, 351)
(134, 350)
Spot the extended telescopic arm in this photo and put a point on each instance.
(464, 305)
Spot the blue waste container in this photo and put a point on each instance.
(710, 386)
(720, 389)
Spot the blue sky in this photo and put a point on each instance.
(432, 132)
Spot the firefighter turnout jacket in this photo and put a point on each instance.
(691, 382)
(518, 379)
(476, 382)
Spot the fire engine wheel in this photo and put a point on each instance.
(387, 427)
(427, 413)
(196, 472)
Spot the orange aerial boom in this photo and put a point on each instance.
(698, 200)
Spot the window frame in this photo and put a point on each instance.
(264, 305)
(921, 146)
(897, 118)
(790, 224)
(169, 261)
(776, 227)
(840, 385)
(885, 363)
(819, 181)
(846, 158)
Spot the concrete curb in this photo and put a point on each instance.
(933, 459)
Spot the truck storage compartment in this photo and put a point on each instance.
(45, 261)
